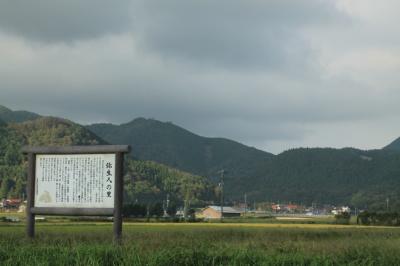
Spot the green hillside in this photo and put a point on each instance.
(174, 146)
(12, 166)
(10, 116)
(52, 131)
(331, 176)
(144, 181)
(42, 131)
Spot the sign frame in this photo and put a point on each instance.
(116, 212)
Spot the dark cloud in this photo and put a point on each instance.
(273, 74)
(65, 21)
(234, 34)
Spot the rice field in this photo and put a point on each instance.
(200, 244)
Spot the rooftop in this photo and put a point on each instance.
(227, 209)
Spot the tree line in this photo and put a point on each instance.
(379, 218)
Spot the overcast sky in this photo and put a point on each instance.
(273, 74)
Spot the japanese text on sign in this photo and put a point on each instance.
(81, 181)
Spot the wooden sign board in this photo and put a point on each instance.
(75, 180)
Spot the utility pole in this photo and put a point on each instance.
(221, 184)
(185, 209)
(245, 204)
(166, 205)
(164, 208)
(387, 204)
(167, 201)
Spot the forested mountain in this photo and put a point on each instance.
(169, 144)
(395, 145)
(42, 131)
(307, 175)
(54, 131)
(12, 167)
(144, 181)
(336, 176)
(9, 116)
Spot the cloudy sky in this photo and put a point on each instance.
(274, 74)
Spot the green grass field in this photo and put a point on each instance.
(200, 244)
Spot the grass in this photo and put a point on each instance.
(200, 244)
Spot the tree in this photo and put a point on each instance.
(171, 211)
(135, 210)
(343, 218)
(19, 189)
(191, 215)
(4, 188)
(156, 210)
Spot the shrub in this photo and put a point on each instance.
(134, 210)
(382, 218)
(156, 210)
(342, 218)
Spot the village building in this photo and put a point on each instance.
(214, 212)
(276, 207)
(292, 207)
(10, 204)
(339, 210)
(286, 208)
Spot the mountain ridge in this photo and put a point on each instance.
(10, 116)
(173, 145)
(324, 175)
(394, 145)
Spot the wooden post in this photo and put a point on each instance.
(30, 217)
(222, 195)
(118, 195)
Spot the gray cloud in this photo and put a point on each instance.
(59, 20)
(235, 34)
(272, 74)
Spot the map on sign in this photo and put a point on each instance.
(75, 181)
